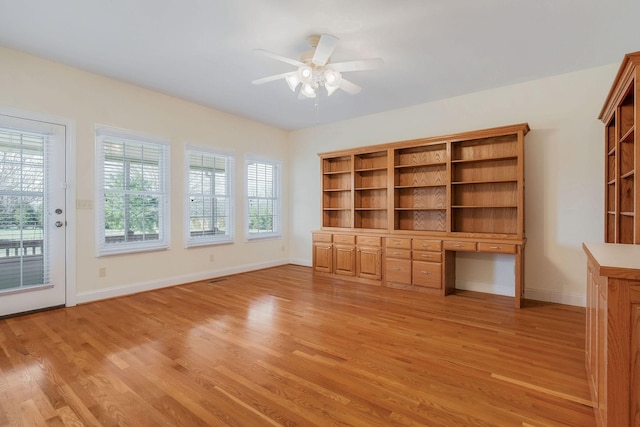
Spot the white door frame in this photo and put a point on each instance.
(70, 198)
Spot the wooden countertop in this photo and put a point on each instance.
(615, 260)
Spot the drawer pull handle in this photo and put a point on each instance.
(425, 272)
(397, 268)
(494, 247)
(426, 256)
(458, 245)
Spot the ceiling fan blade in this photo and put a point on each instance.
(279, 57)
(323, 51)
(350, 88)
(361, 65)
(272, 78)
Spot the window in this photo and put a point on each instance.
(263, 199)
(209, 217)
(132, 212)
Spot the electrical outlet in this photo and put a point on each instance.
(102, 272)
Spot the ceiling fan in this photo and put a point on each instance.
(315, 69)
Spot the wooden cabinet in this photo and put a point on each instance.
(466, 190)
(398, 262)
(348, 255)
(612, 341)
(322, 252)
(620, 114)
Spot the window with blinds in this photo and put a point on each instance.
(23, 255)
(263, 199)
(132, 201)
(209, 202)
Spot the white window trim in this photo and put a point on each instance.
(102, 249)
(278, 165)
(213, 240)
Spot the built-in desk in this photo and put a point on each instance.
(415, 263)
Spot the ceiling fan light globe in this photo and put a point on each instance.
(332, 77)
(293, 81)
(308, 90)
(305, 74)
(330, 89)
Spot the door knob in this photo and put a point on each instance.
(59, 224)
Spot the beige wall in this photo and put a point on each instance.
(36, 85)
(563, 174)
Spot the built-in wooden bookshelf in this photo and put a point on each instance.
(620, 115)
(370, 190)
(420, 188)
(411, 205)
(336, 192)
(484, 185)
(471, 183)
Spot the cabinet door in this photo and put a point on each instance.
(427, 274)
(344, 260)
(398, 271)
(323, 257)
(369, 263)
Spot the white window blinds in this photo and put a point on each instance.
(208, 198)
(263, 199)
(24, 257)
(132, 201)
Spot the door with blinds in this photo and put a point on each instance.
(32, 217)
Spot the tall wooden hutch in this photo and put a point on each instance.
(395, 214)
(613, 268)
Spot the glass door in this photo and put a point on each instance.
(32, 217)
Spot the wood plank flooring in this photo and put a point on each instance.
(279, 347)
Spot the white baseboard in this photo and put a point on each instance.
(557, 297)
(134, 288)
(301, 261)
(533, 294)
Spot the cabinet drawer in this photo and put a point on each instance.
(451, 245)
(427, 245)
(393, 242)
(398, 253)
(345, 239)
(368, 240)
(322, 237)
(497, 247)
(398, 271)
(427, 256)
(427, 274)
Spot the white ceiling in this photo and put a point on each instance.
(201, 50)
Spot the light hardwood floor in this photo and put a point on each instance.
(280, 347)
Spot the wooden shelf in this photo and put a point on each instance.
(489, 181)
(484, 206)
(400, 187)
(337, 173)
(422, 209)
(370, 169)
(369, 188)
(486, 159)
(629, 135)
(629, 174)
(421, 165)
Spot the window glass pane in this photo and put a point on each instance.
(135, 203)
(209, 198)
(263, 200)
